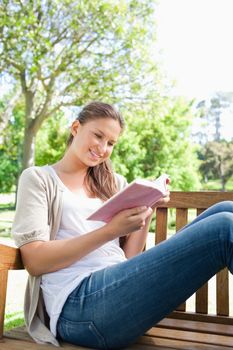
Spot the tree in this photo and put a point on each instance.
(157, 140)
(217, 161)
(11, 148)
(63, 53)
(210, 116)
(51, 139)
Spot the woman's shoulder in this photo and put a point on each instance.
(36, 174)
(35, 170)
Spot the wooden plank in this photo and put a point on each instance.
(201, 317)
(181, 218)
(199, 211)
(196, 337)
(201, 304)
(13, 344)
(222, 286)
(143, 346)
(23, 338)
(179, 344)
(3, 288)
(10, 258)
(161, 225)
(181, 221)
(16, 344)
(196, 326)
(202, 299)
(193, 199)
(144, 343)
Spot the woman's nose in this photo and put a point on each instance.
(102, 147)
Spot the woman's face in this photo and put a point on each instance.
(93, 141)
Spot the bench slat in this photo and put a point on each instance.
(181, 221)
(169, 344)
(192, 316)
(10, 258)
(3, 289)
(194, 199)
(202, 293)
(196, 337)
(161, 225)
(202, 299)
(196, 326)
(17, 339)
(222, 284)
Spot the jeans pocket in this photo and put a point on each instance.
(83, 333)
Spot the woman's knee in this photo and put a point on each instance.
(224, 221)
(224, 206)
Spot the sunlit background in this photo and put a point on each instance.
(195, 42)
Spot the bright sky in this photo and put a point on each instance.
(195, 38)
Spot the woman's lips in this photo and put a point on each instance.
(95, 155)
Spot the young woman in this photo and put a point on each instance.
(86, 287)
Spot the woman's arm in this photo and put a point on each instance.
(135, 242)
(40, 257)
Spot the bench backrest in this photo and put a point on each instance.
(181, 202)
(196, 202)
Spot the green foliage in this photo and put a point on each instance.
(210, 112)
(157, 141)
(66, 53)
(11, 150)
(70, 52)
(51, 140)
(217, 161)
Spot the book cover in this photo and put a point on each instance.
(138, 193)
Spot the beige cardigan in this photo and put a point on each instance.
(37, 217)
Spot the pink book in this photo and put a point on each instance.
(138, 193)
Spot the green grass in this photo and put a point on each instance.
(216, 185)
(13, 320)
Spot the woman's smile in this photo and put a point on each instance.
(94, 154)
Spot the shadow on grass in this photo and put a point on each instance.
(7, 206)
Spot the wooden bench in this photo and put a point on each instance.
(183, 329)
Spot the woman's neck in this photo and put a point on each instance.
(71, 175)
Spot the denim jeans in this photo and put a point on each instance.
(113, 307)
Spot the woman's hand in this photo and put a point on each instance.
(128, 221)
(163, 200)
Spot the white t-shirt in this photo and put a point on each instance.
(57, 286)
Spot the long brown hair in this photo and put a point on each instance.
(100, 179)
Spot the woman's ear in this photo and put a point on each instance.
(74, 127)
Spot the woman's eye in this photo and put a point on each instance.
(98, 136)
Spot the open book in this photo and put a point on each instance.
(138, 193)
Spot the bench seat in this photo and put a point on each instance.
(168, 334)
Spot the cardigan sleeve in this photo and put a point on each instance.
(31, 217)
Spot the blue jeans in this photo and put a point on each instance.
(113, 307)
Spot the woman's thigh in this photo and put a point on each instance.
(121, 302)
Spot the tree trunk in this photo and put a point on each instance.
(28, 148)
